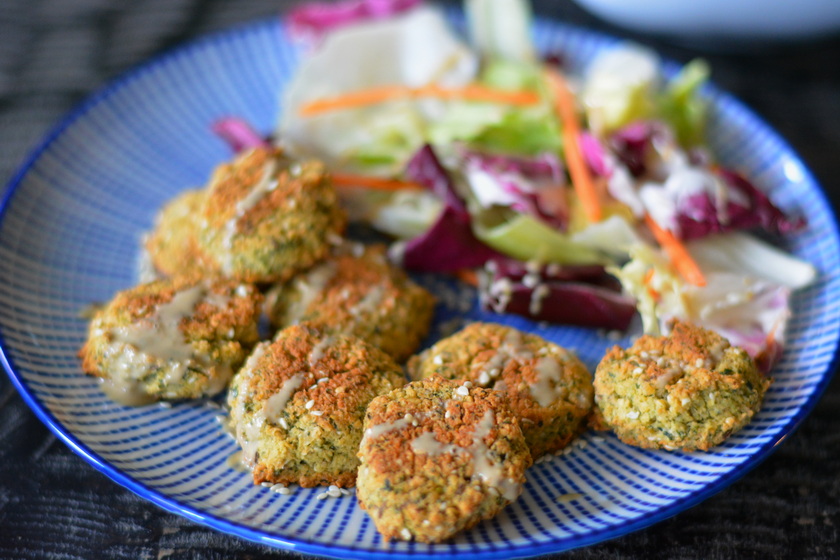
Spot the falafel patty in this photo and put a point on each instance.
(172, 245)
(437, 457)
(689, 390)
(357, 292)
(549, 388)
(298, 404)
(173, 338)
(266, 217)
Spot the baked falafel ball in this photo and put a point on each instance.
(172, 245)
(549, 388)
(437, 457)
(298, 404)
(174, 338)
(266, 217)
(358, 292)
(689, 390)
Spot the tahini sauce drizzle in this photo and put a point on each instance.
(483, 468)
(157, 337)
(548, 386)
(266, 184)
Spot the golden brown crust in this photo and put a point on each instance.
(173, 245)
(438, 457)
(313, 438)
(363, 295)
(690, 390)
(266, 218)
(528, 369)
(220, 329)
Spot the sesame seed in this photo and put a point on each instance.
(323, 496)
(266, 484)
(323, 380)
(344, 491)
(685, 401)
(309, 404)
(284, 424)
(277, 487)
(317, 413)
(483, 378)
(699, 362)
(165, 404)
(464, 391)
(637, 371)
(284, 491)
(633, 414)
(334, 492)
(405, 534)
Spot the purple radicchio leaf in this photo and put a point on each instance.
(238, 134)
(315, 19)
(572, 295)
(746, 208)
(631, 144)
(533, 186)
(449, 244)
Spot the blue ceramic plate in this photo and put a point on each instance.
(69, 235)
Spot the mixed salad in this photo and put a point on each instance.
(580, 199)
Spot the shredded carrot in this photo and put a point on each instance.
(647, 281)
(369, 182)
(467, 276)
(564, 106)
(677, 252)
(374, 96)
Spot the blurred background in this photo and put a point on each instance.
(54, 53)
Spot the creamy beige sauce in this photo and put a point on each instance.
(125, 391)
(265, 185)
(274, 405)
(368, 304)
(548, 386)
(379, 429)
(308, 287)
(235, 462)
(511, 349)
(317, 352)
(484, 469)
(156, 338)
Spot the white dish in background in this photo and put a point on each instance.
(69, 232)
(732, 20)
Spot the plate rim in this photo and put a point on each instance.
(229, 527)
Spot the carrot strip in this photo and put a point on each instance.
(374, 96)
(677, 252)
(379, 183)
(564, 106)
(467, 276)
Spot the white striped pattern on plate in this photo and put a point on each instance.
(69, 233)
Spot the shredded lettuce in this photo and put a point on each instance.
(745, 299)
(683, 107)
(619, 87)
(526, 238)
(501, 30)
(412, 49)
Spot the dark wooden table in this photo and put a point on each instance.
(53, 505)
